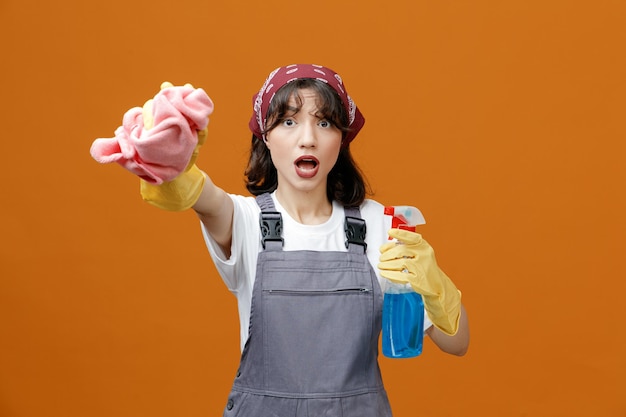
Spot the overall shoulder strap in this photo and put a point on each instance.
(271, 222)
(265, 202)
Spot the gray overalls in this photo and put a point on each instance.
(314, 324)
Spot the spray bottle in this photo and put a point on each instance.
(403, 308)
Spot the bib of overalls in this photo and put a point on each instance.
(314, 326)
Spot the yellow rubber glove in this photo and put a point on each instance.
(410, 259)
(183, 191)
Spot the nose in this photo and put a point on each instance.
(308, 138)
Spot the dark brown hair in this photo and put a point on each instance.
(346, 183)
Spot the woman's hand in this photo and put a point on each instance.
(410, 259)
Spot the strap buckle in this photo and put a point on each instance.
(271, 223)
(355, 231)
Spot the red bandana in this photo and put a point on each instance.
(283, 75)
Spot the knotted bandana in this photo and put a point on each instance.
(283, 75)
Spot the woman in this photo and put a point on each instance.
(307, 273)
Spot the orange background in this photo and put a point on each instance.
(502, 120)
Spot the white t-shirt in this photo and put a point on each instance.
(239, 270)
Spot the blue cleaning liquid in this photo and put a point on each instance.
(403, 324)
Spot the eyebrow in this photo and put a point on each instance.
(290, 110)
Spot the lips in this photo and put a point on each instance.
(306, 166)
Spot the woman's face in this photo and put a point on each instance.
(304, 146)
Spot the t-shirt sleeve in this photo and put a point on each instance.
(244, 248)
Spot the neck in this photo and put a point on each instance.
(306, 207)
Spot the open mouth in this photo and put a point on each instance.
(306, 166)
(306, 163)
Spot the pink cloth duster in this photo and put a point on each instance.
(161, 153)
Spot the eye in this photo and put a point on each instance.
(288, 122)
(325, 123)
